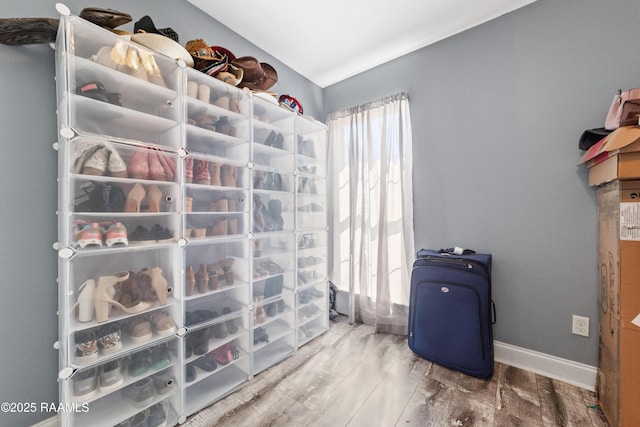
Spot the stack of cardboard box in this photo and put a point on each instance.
(614, 167)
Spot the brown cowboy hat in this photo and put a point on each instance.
(253, 73)
(271, 77)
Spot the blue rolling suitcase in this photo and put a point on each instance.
(451, 313)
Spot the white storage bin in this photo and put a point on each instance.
(226, 259)
(217, 117)
(281, 344)
(311, 147)
(273, 211)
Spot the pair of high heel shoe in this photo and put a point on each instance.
(151, 164)
(210, 173)
(122, 291)
(100, 296)
(274, 140)
(141, 200)
(267, 218)
(97, 233)
(306, 147)
(209, 276)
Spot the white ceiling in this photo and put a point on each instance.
(330, 40)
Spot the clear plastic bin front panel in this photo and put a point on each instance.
(271, 113)
(209, 376)
(216, 358)
(311, 202)
(272, 148)
(212, 91)
(281, 344)
(311, 213)
(271, 303)
(227, 301)
(312, 305)
(217, 117)
(269, 181)
(311, 269)
(214, 212)
(118, 301)
(273, 137)
(311, 147)
(215, 172)
(144, 380)
(214, 330)
(312, 327)
(311, 243)
(209, 142)
(218, 269)
(273, 211)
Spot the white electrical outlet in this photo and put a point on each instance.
(580, 325)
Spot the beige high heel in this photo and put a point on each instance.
(134, 198)
(154, 196)
(159, 283)
(104, 293)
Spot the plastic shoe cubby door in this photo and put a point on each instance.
(217, 118)
(217, 357)
(216, 201)
(273, 202)
(311, 202)
(116, 88)
(273, 335)
(312, 285)
(141, 384)
(216, 302)
(311, 147)
(273, 139)
(312, 306)
(273, 302)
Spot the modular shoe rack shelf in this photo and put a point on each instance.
(192, 225)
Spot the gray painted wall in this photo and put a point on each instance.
(28, 302)
(496, 113)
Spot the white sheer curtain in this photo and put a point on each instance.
(372, 200)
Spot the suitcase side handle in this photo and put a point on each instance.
(494, 319)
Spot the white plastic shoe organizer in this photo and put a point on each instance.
(192, 226)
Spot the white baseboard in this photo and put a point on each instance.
(568, 371)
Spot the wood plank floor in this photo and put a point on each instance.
(352, 376)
